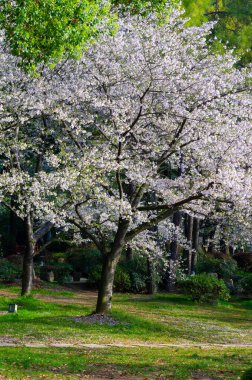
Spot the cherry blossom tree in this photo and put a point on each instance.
(31, 175)
(149, 122)
(151, 99)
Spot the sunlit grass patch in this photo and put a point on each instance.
(150, 363)
(161, 319)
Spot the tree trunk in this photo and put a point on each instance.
(104, 301)
(151, 285)
(28, 258)
(174, 255)
(110, 260)
(12, 233)
(129, 253)
(188, 251)
(195, 243)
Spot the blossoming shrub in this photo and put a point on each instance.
(204, 288)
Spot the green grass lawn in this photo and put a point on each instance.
(47, 317)
(150, 363)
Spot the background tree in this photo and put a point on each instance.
(30, 158)
(233, 23)
(47, 32)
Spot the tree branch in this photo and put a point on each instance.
(168, 211)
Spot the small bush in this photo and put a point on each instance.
(204, 288)
(247, 375)
(8, 271)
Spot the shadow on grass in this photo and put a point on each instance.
(165, 299)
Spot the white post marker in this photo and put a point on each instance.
(12, 308)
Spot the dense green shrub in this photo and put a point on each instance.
(8, 271)
(246, 284)
(138, 273)
(138, 282)
(94, 276)
(204, 288)
(122, 282)
(225, 268)
(247, 375)
(84, 260)
(62, 272)
(130, 276)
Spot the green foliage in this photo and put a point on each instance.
(122, 282)
(130, 276)
(84, 259)
(196, 10)
(143, 7)
(233, 23)
(137, 270)
(94, 276)
(244, 261)
(225, 268)
(48, 31)
(246, 284)
(247, 375)
(8, 271)
(62, 271)
(204, 288)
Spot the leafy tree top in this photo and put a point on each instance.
(233, 23)
(48, 31)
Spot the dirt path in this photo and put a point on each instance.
(121, 345)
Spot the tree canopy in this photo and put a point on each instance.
(48, 31)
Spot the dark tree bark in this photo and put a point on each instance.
(28, 274)
(195, 242)
(188, 235)
(151, 284)
(12, 233)
(211, 234)
(174, 255)
(110, 260)
(129, 253)
(224, 243)
(28, 257)
(105, 293)
(123, 237)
